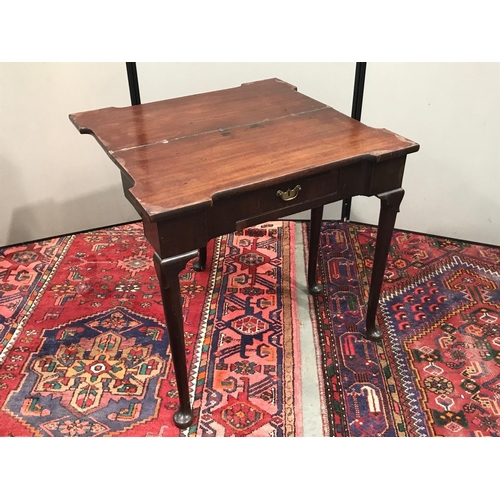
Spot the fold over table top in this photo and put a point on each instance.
(181, 154)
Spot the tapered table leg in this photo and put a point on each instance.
(316, 220)
(389, 207)
(168, 276)
(201, 263)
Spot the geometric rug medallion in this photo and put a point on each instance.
(101, 379)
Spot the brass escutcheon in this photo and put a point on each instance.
(289, 194)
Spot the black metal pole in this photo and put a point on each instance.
(133, 83)
(357, 103)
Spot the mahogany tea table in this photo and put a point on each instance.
(204, 165)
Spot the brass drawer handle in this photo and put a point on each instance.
(289, 194)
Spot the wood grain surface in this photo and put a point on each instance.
(184, 153)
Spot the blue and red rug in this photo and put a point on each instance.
(436, 371)
(84, 352)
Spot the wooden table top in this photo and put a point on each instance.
(181, 154)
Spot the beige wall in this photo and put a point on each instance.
(453, 111)
(54, 181)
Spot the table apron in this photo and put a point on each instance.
(175, 235)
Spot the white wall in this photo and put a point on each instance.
(54, 181)
(452, 185)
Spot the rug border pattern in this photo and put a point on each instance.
(36, 294)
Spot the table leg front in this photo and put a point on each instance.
(168, 271)
(316, 220)
(389, 207)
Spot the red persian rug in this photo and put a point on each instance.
(436, 371)
(84, 351)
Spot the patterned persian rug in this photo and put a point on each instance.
(436, 371)
(84, 352)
